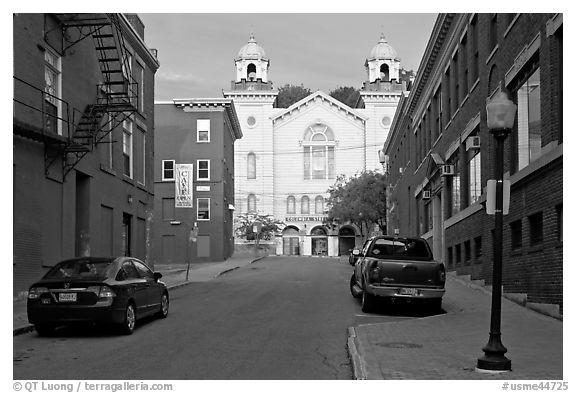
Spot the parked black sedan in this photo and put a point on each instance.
(90, 289)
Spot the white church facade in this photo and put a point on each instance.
(289, 157)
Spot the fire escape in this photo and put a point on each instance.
(117, 95)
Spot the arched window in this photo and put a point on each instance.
(251, 166)
(318, 147)
(384, 73)
(291, 205)
(305, 205)
(251, 203)
(319, 205)
(251, 69)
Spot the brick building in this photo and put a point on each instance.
(200, 132)
(440, 152)
(82, 139)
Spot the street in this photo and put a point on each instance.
(280, 318)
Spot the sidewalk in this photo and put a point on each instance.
(173, 275)
(447, 346)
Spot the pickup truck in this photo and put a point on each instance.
(397, 269)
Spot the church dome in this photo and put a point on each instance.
(251, 50)
(383, 50)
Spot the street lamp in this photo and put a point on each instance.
(501, 113)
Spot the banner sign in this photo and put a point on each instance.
(184, 187)
(305, 218)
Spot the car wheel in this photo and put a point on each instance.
(368, 301)
(129, 323)
(164, 306)
(355, 293)
(44, 329)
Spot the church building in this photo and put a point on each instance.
(289, 157)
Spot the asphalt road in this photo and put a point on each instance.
(279, 318)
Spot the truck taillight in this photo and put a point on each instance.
(442, 274)
(374, 273)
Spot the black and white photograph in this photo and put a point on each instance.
(232, 195)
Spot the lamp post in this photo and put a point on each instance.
(501, 113)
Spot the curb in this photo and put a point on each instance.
(536, 307)
(358, 368)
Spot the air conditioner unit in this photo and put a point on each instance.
(426, 194)
(447, 170)
(472, 142)
(401, 170)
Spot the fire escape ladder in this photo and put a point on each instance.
(117, 95)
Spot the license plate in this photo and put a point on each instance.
(408, 291)
(66, 297)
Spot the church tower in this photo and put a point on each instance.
(253, 96)
(381, 95)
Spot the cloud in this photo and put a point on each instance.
(176, 77)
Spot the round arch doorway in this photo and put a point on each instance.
(290, 241)
(319, 241)
(346, 240)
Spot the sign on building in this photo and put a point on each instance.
(184, 183)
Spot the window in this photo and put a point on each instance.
(140, 169)
(127, 147)
(52, 88)
(143, 271)
(456, 83)
(305, 205)
(127, 65)
(467, 252)
(474, 177)
(493, 33)
(291, 205)
(168, 167)
(319, 152)
(251, 203)
(474, 49)
(319, 205)
(448, 97)
(168, 209)
(464, 66)
(127, 272)
(536, 229)
(203, 170)
(203, 130)
(478, 247)
(529, 136)
(454, 186)
(438, 112)
(251, 162)
(516, 235)
(458, 254)
(203, 209)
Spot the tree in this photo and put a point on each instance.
(245, 224)
(346, 95)
(360, 200)
(290, 94)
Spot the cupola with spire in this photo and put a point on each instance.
(251, 67)
(383, 62)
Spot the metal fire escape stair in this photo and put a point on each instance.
(117, 95)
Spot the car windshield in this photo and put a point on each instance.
(400, 249)
(81, 269)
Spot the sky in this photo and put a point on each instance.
(321, 51)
